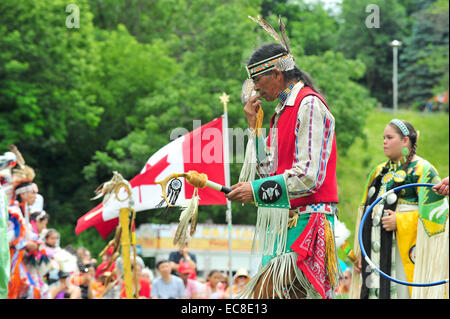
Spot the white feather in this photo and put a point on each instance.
(341, 232)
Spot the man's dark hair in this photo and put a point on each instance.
(21, 185)
(161, 262)
(271, 49)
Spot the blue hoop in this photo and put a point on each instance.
(363, 251)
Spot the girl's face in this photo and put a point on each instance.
(214, 279)
(41, 224)
(241, 281)
(52, 239)
(393, 143)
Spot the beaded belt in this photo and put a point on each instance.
(326, 208)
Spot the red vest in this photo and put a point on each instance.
(327, 193)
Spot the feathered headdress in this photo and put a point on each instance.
(22, 173)
(282, 61)
(283, 39)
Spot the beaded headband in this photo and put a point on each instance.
(282, 61)
(24, 189)
(41, 215)
(401, 126)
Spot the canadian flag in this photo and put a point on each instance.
(201, 150)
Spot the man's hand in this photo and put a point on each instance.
(32, 245)
(241, 192)
(251, 110)
(442, 187)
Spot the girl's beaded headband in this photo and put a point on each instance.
(401, 126)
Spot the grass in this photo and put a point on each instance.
(363, 155)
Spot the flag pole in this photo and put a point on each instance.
(224, 98)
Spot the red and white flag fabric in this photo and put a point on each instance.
(200, 150)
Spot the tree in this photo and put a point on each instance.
(424, 62)
(311, 27)
(44, 67)
(360, 38)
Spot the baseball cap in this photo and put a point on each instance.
(184, 269)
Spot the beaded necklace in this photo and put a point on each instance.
(395, 173)
(285, 94)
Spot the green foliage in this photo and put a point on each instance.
(424, 61)
(311, 28)
(372, 45)
(44, 69)
(437, 58)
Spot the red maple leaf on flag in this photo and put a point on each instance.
(151, 172)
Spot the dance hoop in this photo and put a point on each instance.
(363, 251)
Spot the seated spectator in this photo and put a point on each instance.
(213, 289)
(167, 286)
(51, 240)
(52, 249)
(119, 262)
(147, 274)
(85, 256)
(111, 282)
(85, 280)
(225, 280)
(97, 286)
(65, 289)
(241, 278)
(184, 271)
(144, 285)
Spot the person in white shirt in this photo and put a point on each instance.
(167, 286)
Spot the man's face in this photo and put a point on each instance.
(164, 268)
(184, 276)
(184, 249)
(269, 84)
(29, 197)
